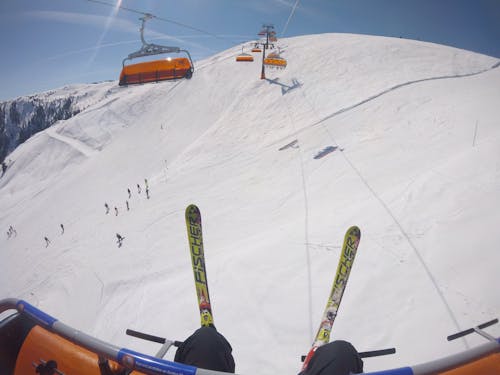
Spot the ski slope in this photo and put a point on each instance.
(416, 165)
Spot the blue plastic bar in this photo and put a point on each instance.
(43, 319)
(156, 366)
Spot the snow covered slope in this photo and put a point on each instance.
(25, 116)
(416, 165)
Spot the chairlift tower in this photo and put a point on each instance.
(267, 31)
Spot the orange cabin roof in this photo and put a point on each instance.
(156, 70)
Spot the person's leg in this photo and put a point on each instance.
(336, 358)
(206, 348)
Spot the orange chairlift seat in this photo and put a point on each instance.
(245, 57)
(256, 48)
(274, 60)
(156, 70)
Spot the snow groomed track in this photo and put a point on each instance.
(52, 339)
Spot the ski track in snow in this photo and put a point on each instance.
(380, 94)
(74, 143)
(393, 88)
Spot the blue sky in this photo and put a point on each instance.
(50, 43)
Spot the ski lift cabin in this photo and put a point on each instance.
(244, 57)
(256, 48)
(156, 70)
(274, 60)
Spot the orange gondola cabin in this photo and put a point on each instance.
(245, 57)
(156, 70)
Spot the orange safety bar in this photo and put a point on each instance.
(71, 359)
(157, 70)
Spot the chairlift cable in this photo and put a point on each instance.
(164, 20)
(290, 17)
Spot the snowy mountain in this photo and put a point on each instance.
(25, 116)
(411, 154)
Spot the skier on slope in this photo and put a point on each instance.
(119, 239)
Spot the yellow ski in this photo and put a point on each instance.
(349, 248)
(195, 237)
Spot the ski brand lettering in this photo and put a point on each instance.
(346, 261)
(197, 252)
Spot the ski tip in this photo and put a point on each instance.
(354, 231)
(192, 209)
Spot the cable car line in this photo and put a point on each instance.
(163, 19)
(290, 17)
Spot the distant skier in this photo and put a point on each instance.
(116, 211)
(11, 232)
(4, 168)
(139, 188)
(146, 183)
(128, 207)
(62, 229)
(47, 241)
(120, 239)
(147, 192)
(129, 193)
(107, 208)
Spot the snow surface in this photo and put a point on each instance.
(417, 168)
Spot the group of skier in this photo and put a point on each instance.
(47, 241)
(119, 237)
(13, 233)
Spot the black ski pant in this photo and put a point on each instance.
(336, 358)
(206, 348)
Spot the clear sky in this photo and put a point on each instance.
(50, 43)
